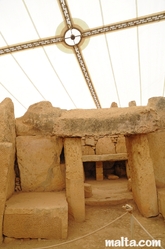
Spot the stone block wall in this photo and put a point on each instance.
(43, 132)
(99, 145)
(102, 145)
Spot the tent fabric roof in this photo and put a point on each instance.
(125, 65)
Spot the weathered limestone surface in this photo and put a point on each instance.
(38, 120)
(161, 201)
(39, 163)
(7, 134)
(87, 190)
(120, 145)
(90, 141)
(106, 157)
(7, 121)
(105, 146)
(106, 121)
(158, 104)
(157, 151)
(99, 171)
(142, 175)
(87, 150)
(7, 154)
(36, 215)
(74, 178)
(6, 175)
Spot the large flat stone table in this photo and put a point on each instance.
(36, 215)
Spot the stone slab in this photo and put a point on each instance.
(7, 121)
(7, 177)
(156, 142)
(108, 121)
(36, 215)
(161, 201)
(74, 178)
(39, 163)
(106, 157)
(87, 190)
(108, 192)
(142, 175)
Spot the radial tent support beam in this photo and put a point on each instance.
(86, 76)
(126, 24)
(49, 61)
(66, 14)
(96, 31)
(27, 76)
(78, 54)
(30, 45)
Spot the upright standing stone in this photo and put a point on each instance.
(39, 163)
(5, 165)
(7, 154)
(157, 144)
(142, 175)
(99, 171)
(74, 178)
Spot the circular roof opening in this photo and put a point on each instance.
(72, 37)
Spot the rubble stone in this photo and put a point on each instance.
(105, 146)
(132, 103)
(87, 150)
(120, 145)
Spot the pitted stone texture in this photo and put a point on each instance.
(120, 145)
(36, 215)
(87, 150)
(39, 163)
(157, 151)
(105, 146)
(38, 120)
(158, 104)
(90, 141)
(7, 121)
(87, 190)
(6, 177)
(74, 178)
(109, 121)
(132, 103)
(7, 135)
(161, 201)
(142, 175)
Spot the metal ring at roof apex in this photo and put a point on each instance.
(72, 37)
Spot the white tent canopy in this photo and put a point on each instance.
(125, 65)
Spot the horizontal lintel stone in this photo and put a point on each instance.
(108, 121)
(105, 157)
